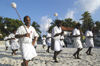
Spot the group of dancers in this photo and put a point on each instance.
(57, 35)
(27, 36)
(12, 42)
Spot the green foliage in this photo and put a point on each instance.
(66, 22)
(37, 27)
(97, 26)
(69, 23)
(10, 23)
(87, 21)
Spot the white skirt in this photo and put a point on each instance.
(89, 43)
(7, 44)
(14, 46)
(57, 45)
(49, 43)
(28, 51)
(44, 42)
(78, 43)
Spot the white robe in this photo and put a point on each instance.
(77, 40)
(14, 42)
(28, 50)
(44, 40)
(7, 43)
(62, 41)
(36, 40)
(57, 43)
(49, 39)
(89, 41)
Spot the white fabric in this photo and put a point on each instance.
(77, 41)
(7, 43)
(14, 42)
(89, 41)
(49, 39)
(62, 41)
(57, 43)
(28, 50)
(44, 40)
(55, 31)
(36, 40)
(21, 30)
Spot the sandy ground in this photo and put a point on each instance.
(45, 59)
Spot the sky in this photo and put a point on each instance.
(42, 11)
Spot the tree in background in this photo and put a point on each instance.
(10, 23)
(87, 21)
(68, 22)
(97, 27)
(37, 27)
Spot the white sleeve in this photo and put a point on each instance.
(74, 32)
(20, 30)
(35, 34)
(54, 32)
(47, 34)
(11, 36)
(91, 33)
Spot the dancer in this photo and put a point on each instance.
(28, 36)
(7, 43)
(48, 40)
(62, 39)
(77, 41)
(44, 41)
(89, 40)
(57, 31)
(13, 42)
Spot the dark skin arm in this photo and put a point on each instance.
(89, 36)
(61, 39)
(24, 35)
(57, 34)
(10, 39)
(48, 37)
(76, 35)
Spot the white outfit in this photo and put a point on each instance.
(44, 40)
(49, 39)
(57, 43)
(62, 41)
(89, 41)
(14, 42)
(77, 40)
(28, 50)
(7, 43)
(36, 40)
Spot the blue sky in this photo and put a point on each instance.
(42, 11)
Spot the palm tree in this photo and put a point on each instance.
(37, 27)
(87, 21)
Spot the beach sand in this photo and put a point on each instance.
(45, 59)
